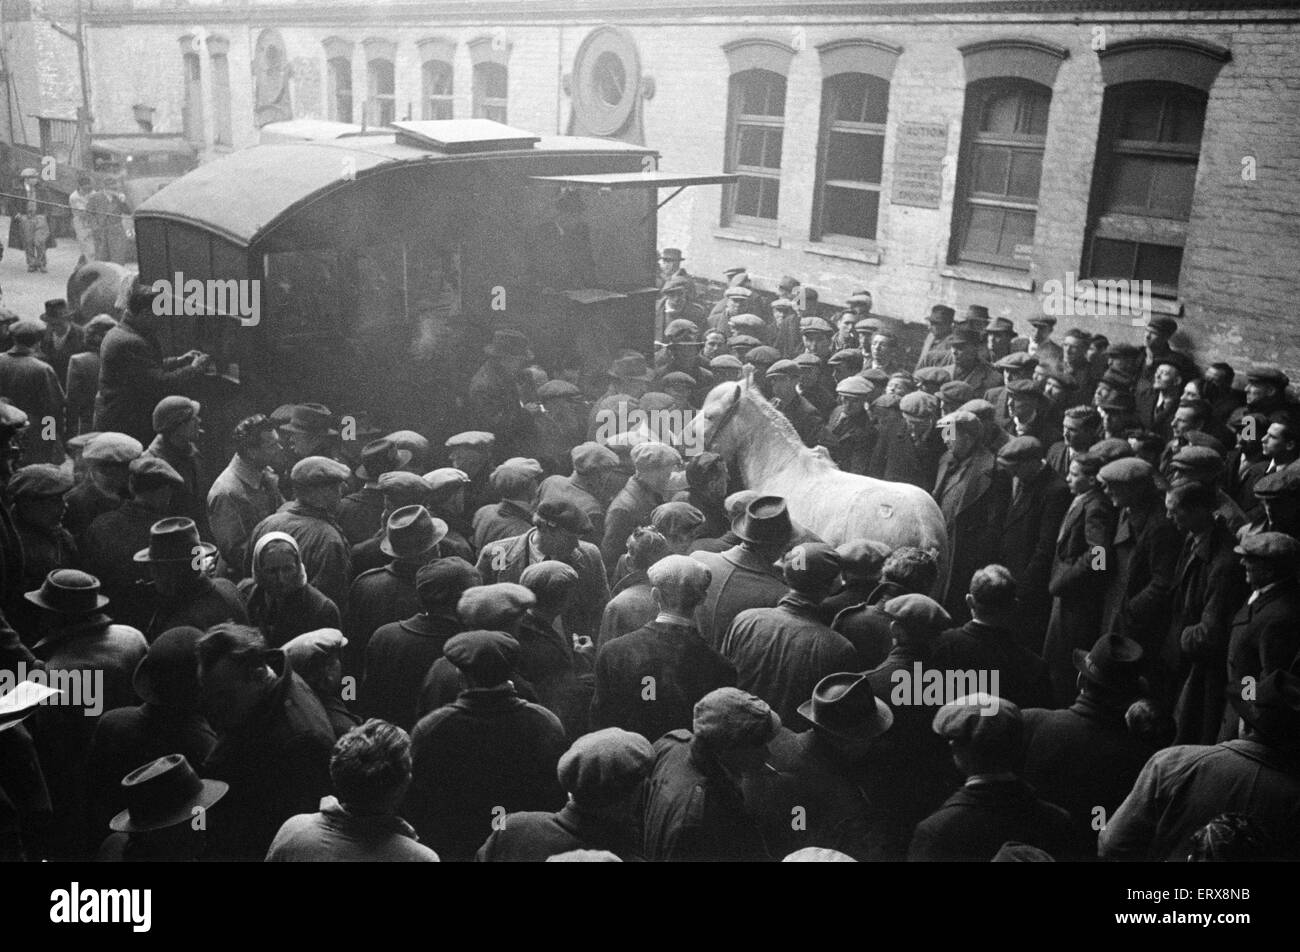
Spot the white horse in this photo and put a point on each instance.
(737, 423)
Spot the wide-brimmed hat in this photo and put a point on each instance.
(68, 592)
(312, 419)
(844, 705)
(1275, 711)
(169, 673)
(509, 344)
(411, 532)
(164, 793)
(175, 539)
(384, 455)
(766, 522)
(631, 367)
(1114, 663)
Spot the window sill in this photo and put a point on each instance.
(747, 237)
(998, 279)
(843, 252)
(1173, 307)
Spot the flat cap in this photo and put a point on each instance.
(919, 404)
(866, 325)
(562, 514)
(444, 578)
(763, 354)
(652, 455)
(1043, 320)
(1280, 482)
(783, 368)
(401, 483)
(605, 767)
(1197, 438)
(113, 448)
(676, 518)
(1017, 360)
(1122, 350)
(979, 406)
(808, 360)
(39, 481)
(1000, 325)
(1110, 450)
(936, 376)
(150, 471)
(1165, 325)
(591, 457)
(494, 606)
(27, 328)
(855, 386)
(746, 323)
(318, 471)
(513, 480)
(730, 718)
(440, 480)
(859, 297)
(1119, 401)
(1126, 472)
(486, 656)
(849, 355)
(782, 304)
(679, 571)
(976, 718)
(1196, 458)
(1021, 449)
(1079, 334)
(875, 376)
(957, 391)
(677, 379)
(1117, 379)
(557, 390)
(549, 579)
(1268, 375)
(815, 325)
(172, 411)
(726, 362)
(959, 418)
(737, 291)
(861, 558)
(921, 615)
(1024, 389)
(474, 439)
(1063, 378)
(678, 328)
(1268, 545)
(811, 566)
(744, 342)
(313, 646)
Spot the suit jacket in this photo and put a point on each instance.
(975, 821)
(1153, 419)
(974, 495)
(82, 382)
(574, 489)
(976, 646)
(899, 460)
(513, 555)
(32, 385)
(630, 508)
(1265, 636)
(1137, 591)
(1028, 543)
(133, 377)
(57, 355)
(398, 657)
(740, 580)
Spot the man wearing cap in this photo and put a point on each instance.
(783, 379)
(1084, 756)
(1039, 500)
(675, 303)
(1280, 447)
(655, 464)
(1041, 344)
(310, 519)
(361, 513)
(561, 423)
(387, 594)
(668, 650)
(908, 445)
(37, 494)
(681, 354)
(603, 773)
(515, 483)
(1203, 464)
(629, 379)
(273, 739)
(998, 335)
(1145, 551)
(780, 653)
(1182, 788)
(670, 265)
(1075, 362)
(558, 528)
(1265, 633)
(486, 754)
(851, 431)
(1032, 414)
(631, 604)
(1279, 497)
(134, 375)
(866, 625)
(936, 351)
(994, 805)
(1209, 587)
(968, 363)
(177, 428)
(1159, 331)
(695, 805)
(1157, 406)
(494, 401)
(735, 300)
(32, 385)
(974, 496)
(706, 481)
(1015, 366)
(589, 487)
(1080, 429)
(82, 375)
(1266, 391)
(816, 333)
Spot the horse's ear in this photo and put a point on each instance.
(736, 395)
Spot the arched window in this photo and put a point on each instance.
(756, 136)
(339, 69)
(1005, 130)
(491, 91)
(436, 79)
(854, 109)
(381, 92)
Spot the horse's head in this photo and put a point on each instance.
(713, 428)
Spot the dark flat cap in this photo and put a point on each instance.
(729, 718)
(39, 481)
(486, 656)
(1126, 472)
(919, 404)
(811, 566)
(1269, 545)
(604, 767)
(1268, 375)
(957, 391)
(1021, 449)
(318, 471)
(445, 578)
(494, 606)
(562, 514)
(150, 471)
(976, 718)
(1281, 482)
(1019, 360)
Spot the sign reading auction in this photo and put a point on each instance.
(918, 163)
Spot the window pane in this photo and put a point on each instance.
(1141, 118)
(1025, 170)
(1112, 259)
(877, 105)
(381, 78)
(437, 78)
(854, 156)
(991, 169)
(762, 92)
(1017, 229)
(609, 78)
(1000, 114)
(747, 190)
(848, 95)
(767, 205)
(1184, 119)
(1131, 182)
(1159, 264)
(773, 138)
(749, 146)
(983, 230)
(850, 211)
(1033, 113)
(1172, 185)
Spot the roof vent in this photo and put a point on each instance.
(463, 135)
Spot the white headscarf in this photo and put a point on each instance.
(266, 540)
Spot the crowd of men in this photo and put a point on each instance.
(546, 640)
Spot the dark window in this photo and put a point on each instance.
(491, 85)
(757, 108)
(340, 75)
(383, 101)
(222, 133)
(854, 109)
(437, 90)
(1147, 154)
(1005, 129)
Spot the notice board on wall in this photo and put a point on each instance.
(918, 163)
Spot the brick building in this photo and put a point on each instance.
(963, 151)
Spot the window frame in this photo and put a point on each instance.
(430, 101)
(738, 121)
(484, 105)
(831, 126)
(377, 101)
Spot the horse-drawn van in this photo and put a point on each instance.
(368, 272)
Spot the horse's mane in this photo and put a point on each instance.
(784, 427)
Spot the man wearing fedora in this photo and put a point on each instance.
(310, 519)
(558, 528)
(30, 216)
(273, 739)
(247, 491)
(936, 350)
(311, 432)
(388, 594)
(78, 637)
(361, 514)
(398, 489)
(493, 402)
(133, 373)
(1182, 788)
(61, 337)
(177, 428)
(31, 384)
(162, 800)
(1084, 756)
(184, 594)
(819, 771)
